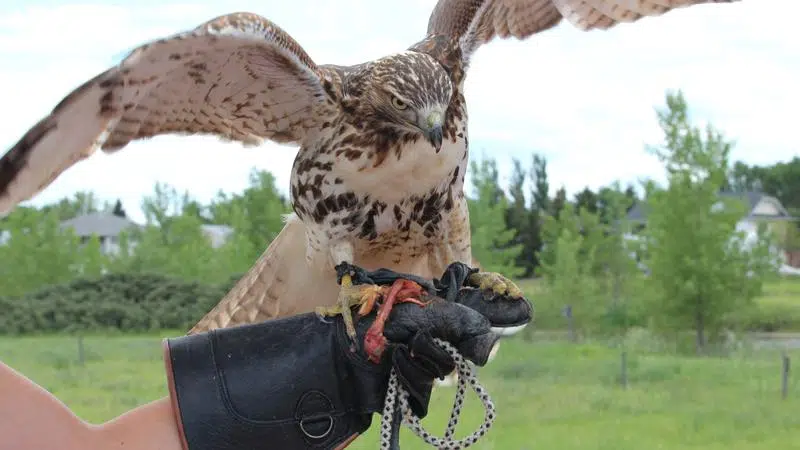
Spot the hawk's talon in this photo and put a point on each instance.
(496, 283)
(344, 303)
(365, 295)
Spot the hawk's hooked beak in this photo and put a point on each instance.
(433, 129)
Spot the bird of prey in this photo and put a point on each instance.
(378, 180)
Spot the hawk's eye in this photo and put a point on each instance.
(399, 104)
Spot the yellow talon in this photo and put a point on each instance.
(344, 303)
(496, 283)
(349, 296)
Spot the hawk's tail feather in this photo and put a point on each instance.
(279, 284)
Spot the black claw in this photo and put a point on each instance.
(345, 268)
(454, 278)
(380, 277)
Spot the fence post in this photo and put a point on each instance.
(567, 312)
(623, 378)
(785, 376)
(81, 352)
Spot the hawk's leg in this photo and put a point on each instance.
(349, 296)
(496, 283)
(342, 255)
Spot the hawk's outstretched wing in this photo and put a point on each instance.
(476, 22)
(238, 76)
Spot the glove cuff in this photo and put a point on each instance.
(286, 383)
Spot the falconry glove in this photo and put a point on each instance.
(505, 312)
(298, 383)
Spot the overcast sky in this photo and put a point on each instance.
(585, 100)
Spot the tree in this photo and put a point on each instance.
(492, 242)
(567, 271)
(256, 215)
(579, 222)
(92, 261)
(780, 180)
(118, 210)
(618, 272)
(83, 202)
(524, 220)
(587, 200)
(558, 202)
(172, 241)
(541, 187)
(697, 258)
(36, 251)
(609, 198)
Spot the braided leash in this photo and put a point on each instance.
(396, 396)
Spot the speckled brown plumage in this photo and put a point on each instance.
(383, 146)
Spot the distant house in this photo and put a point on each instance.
(107, 227)
(760, 208)
(218, 234)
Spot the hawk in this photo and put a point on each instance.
(378, 180)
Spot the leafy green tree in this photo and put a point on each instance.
(781, 180)
(608, 198)
(558, 202)
(524, 220)
(238, 252)
(587, 200)
(567, 273)
(123, 260)
(619, 277)
(92, 260)
(257, 214)
(491, 240)
(579, 222)
(540, 191)
(172, 242)
(36, 251)
(118, 209)
(697, 258)
(82, 202)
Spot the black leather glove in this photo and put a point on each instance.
(295, 383)
(507, 315)
(298, 383)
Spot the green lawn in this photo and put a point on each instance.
(549, 395)
(777, 309)
(784, 291)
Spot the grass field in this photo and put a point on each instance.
(549, 395)
(776, 309)
(784, 291)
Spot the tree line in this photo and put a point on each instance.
(687, 268)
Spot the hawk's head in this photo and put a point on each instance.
(410, 92)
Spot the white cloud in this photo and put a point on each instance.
(586, 100)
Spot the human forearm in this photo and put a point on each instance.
(148, 427)
(33, 419)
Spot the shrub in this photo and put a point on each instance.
(126, 302)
